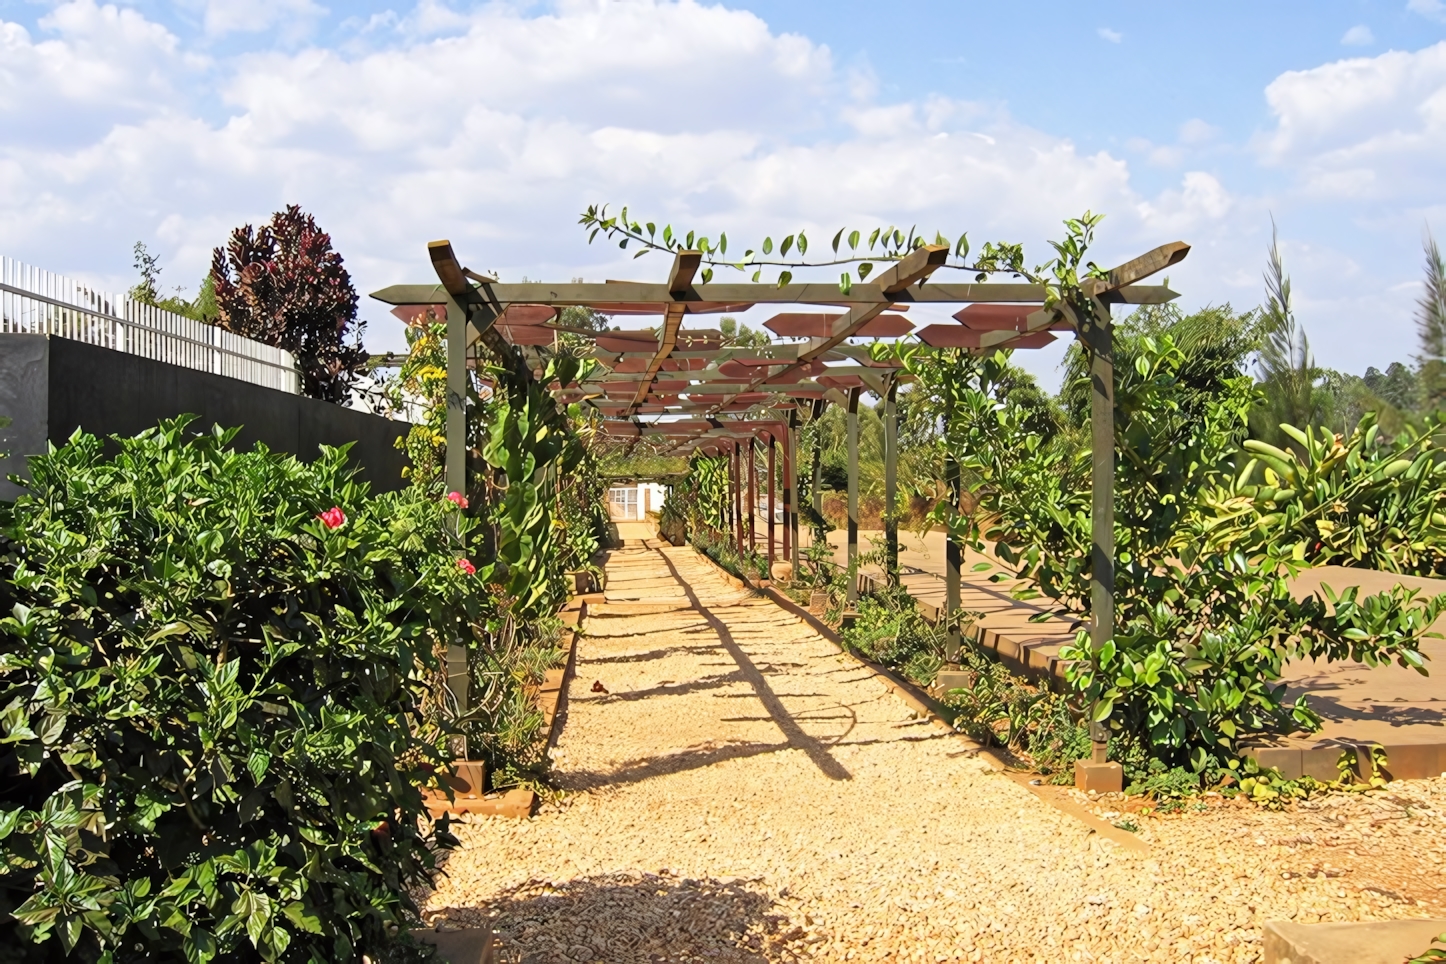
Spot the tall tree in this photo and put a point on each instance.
(1431, 326)
(1288, 373)
(282, 284)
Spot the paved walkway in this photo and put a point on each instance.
(734, 789)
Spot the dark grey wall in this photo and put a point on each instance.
(51, 386)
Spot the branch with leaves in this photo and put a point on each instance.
(890, 243)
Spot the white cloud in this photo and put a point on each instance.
(1113, 36)
(1196, 131)
(293, 17)
(1358, 36)
(1371, 127)
(496, 127)
(1434, 9)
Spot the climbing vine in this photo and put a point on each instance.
(882, 244)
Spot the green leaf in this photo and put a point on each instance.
(864, 270)
(853, 240)
(836, 239)
(767, 245)
(303, 918)
(784, 277)
(785, 246)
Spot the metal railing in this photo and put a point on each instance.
(34, 301)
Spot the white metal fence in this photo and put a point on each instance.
(40, 302)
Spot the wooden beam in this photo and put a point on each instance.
(680, 281)
(891, 486)
(893, 283)
(851, 594)
(1140, 268)
(680, 277)
(863, 293)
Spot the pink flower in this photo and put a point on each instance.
(333, 518)
(466, 566)
(457, 499)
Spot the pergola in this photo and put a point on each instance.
(681, 385)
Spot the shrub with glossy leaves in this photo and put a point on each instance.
(211, 669)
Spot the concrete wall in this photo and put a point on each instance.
(51, 386)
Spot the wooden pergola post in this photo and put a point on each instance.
(752, 497)
(738, 497)
(816, 489)
(791, 433)
(853, 493)
(1098, 335)
(772, 487)
(953, 565)
(891, 473)
(788, 496)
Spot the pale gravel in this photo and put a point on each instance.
(743, 792)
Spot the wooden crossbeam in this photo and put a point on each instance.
(1139, 268)
(811, 293)
(903, 274)
(680, 281)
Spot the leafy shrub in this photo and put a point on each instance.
(1006, 709)
(1164, 783)
(1205, 618)
(890, 630)
(209, 700)
(723, 549)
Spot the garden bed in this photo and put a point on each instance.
(518, 802)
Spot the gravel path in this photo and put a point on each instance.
(736, 790)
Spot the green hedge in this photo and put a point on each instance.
(211, 730)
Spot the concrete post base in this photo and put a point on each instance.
(1099, 777)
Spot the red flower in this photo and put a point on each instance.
(457, 499)
(333, 518)
(466, 566)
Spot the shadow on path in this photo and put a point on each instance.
(639, 918)
(785, 722)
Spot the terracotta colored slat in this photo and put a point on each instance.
(994, 317)
(527, 315)
(817, 324)
(529, 336)
(949, 336)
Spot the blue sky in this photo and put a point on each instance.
(494, 124)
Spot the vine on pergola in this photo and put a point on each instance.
(884, 244)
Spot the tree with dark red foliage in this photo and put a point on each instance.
(284, 285)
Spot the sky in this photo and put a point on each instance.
(494, 125)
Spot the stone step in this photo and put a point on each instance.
(1374, 942)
